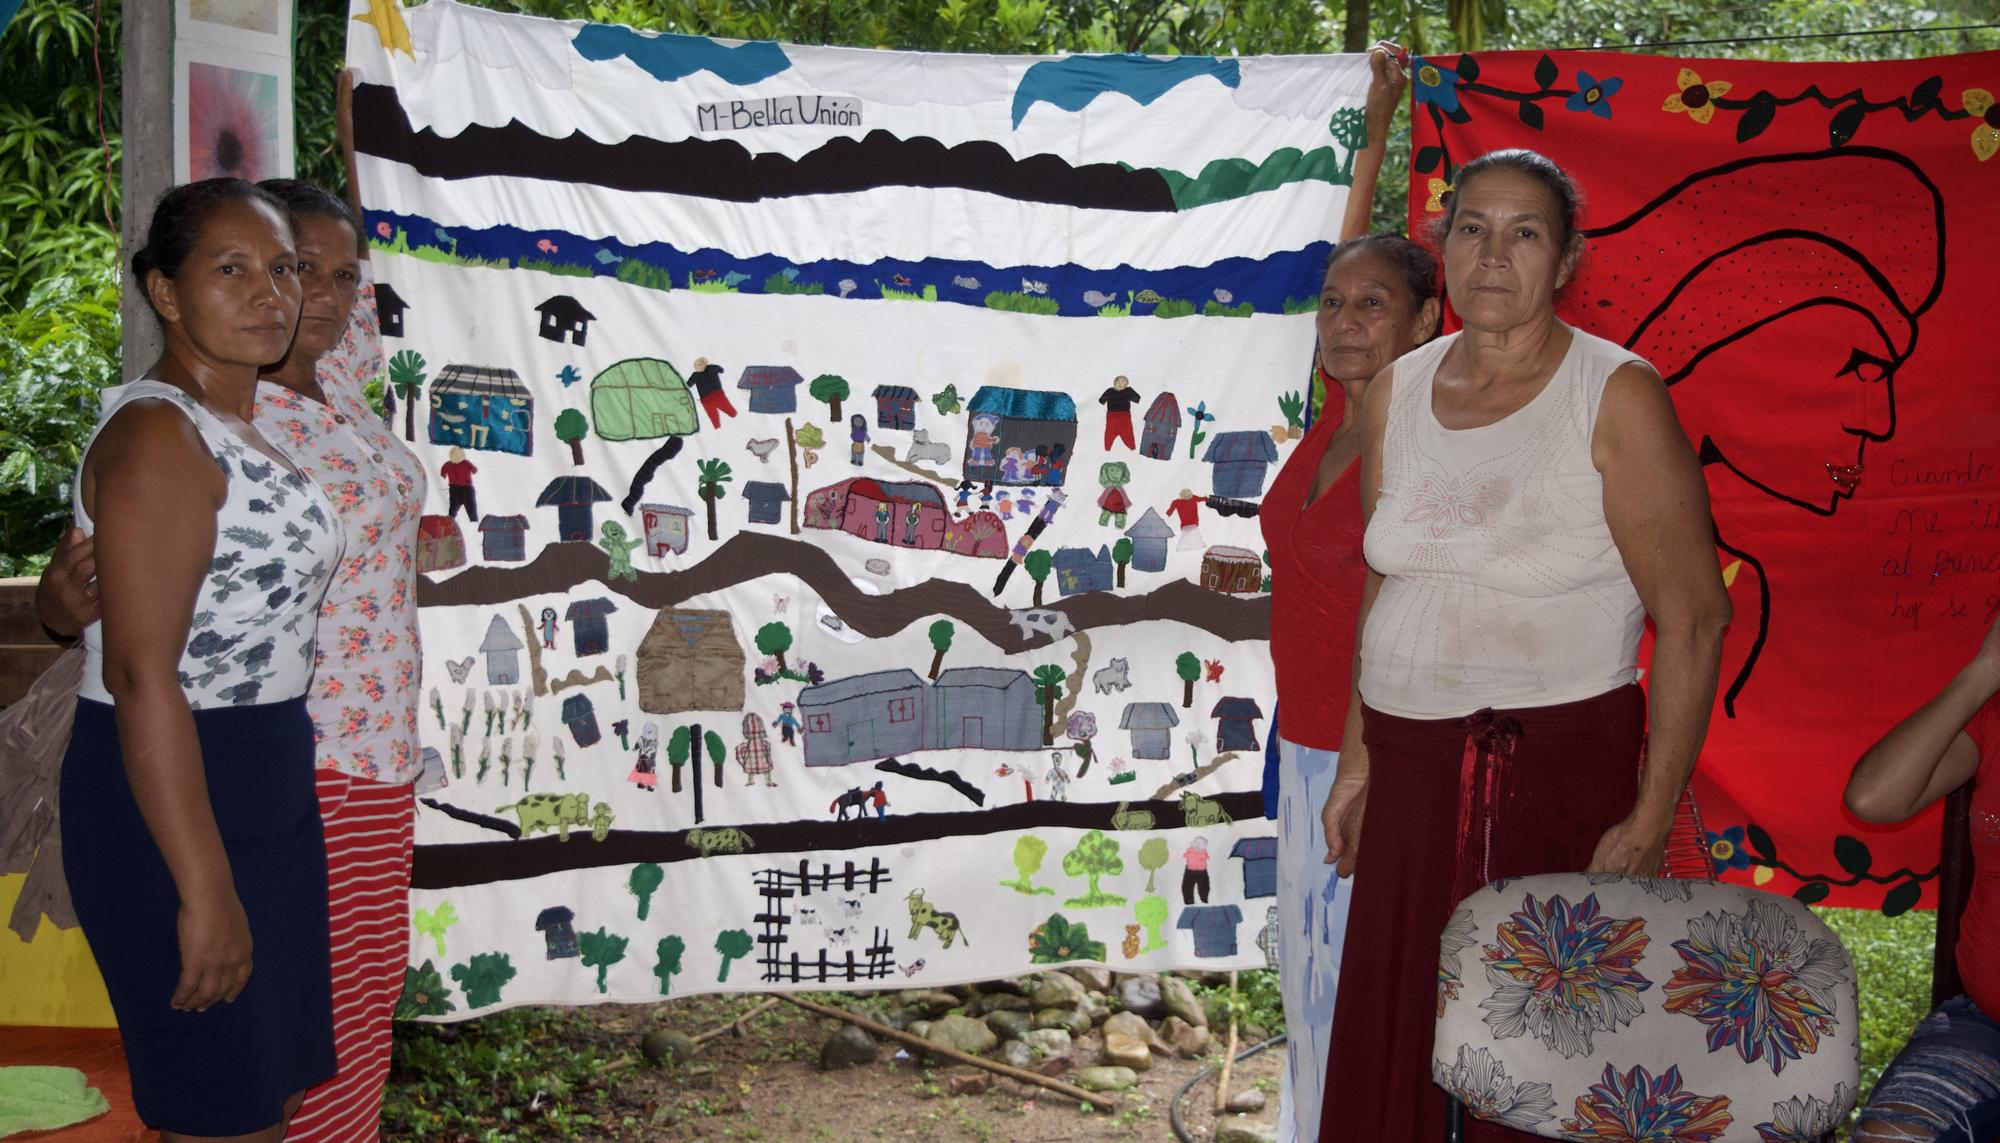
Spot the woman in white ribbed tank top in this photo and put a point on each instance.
(1530, 500)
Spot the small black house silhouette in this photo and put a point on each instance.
(563, 315)
(389, 306)
(558, 931)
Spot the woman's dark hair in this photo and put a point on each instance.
(178, 218)
(1537, 166)
(1417, 266)
(302, 198)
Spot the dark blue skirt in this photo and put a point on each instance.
(229, 1070)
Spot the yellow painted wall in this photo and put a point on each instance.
(51, 980)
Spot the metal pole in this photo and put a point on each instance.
(148, 165)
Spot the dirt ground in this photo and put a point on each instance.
(767, 1085)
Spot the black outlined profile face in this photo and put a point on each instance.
(1783, 334)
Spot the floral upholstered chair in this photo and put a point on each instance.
(1607, 1007)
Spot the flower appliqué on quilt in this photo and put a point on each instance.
(1563, 973)
(1637, 1108)
(1484, 1087)
(1458, 936)
(1443, 506)
(1757, 982)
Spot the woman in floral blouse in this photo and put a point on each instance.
(364, 694)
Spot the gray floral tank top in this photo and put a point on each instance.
(276, 546)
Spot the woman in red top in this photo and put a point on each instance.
(1377, 302)
(1945, 1083)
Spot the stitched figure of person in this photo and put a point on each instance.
(457, 472)
(706, 381)
(964, 495)
(879, 798)
(985, 437)
(1186, 511)
(1113, 503)
(857, 435)
(613, 540)
(1058, 778)
(882, 515)
(1195, 880)
(1004, 504)
(1118, 401)
(911, 519)
(787, 724)
(549, 628)
(645, 772)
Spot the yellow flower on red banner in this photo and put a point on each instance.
(1986, 136)
(1438, 188)
(1695, 97)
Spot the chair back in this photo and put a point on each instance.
(1601, 1006)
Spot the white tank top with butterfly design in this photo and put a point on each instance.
(1501, 584)
(276, 545)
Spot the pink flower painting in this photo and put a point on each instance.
(232, 123)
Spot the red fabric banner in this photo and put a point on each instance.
(1805, 252)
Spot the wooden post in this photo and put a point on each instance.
(1228, 1056)
(147, 104)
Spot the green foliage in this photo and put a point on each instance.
(1174, 308)
(1058, 939)
(941, 633)
(714, 474)
(646, 878)
(669, 953)
(677, 747)
(1301, 305)
(601, 950)
(810, 436)
(637, 273)
(483, 977)
(424, 993)
(714, 743)
(56, 352)
(1095, 856)
(1152, 913)
(712, 286)
(561, 269)
(1217, 309)
(1029, 851)
(780, 284)
(1121, 552)
(774, 638)
(1038, 564)
(1256, 1000)
(570, 425)
(1021, 303)
(1892, 967)
(406, 374)
(831, 388)
(733, 944)
(1049, 679)
(1293, 406)
(929, 294)
(1187, 666)
(480, 1078)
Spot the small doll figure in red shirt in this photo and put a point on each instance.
(457, 473)
(1186, 512)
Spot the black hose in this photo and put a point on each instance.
(1174, 1108)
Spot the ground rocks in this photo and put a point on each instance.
(1127, 1051)
(1048, 1041)
(962, 1032)
(1058, 990)
(1068, 1019)
(1185, 1038)
(660, 1046)
(1009, 1025)
(1106, 1078)
(1181, 1001)
(1017, 1054)
(847, 1048)
(1140, 995)
(1092, 979)
(1129, 1024)
(1249, 1101)
(1244, 1131)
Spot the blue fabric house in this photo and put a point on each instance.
(1240, 459)
(1149, 542)
(581, 718)
(1019, 436)
(483, 407)
(1214, 928)
(773, 388)
(1235, 724)
(767, 499)
(1079, 570)
(1260, 865)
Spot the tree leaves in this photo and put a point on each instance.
(1531, 115)
(1760, 844)
(1546, 73)
(1427, 159)
(1810, 893)
(1845, 123)
(1852, 855)
(1902, 898)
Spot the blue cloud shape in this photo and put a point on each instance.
(1073, 82)
(668, 56)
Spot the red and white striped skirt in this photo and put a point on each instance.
(369, 827)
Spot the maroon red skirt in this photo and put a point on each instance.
(1452, 804)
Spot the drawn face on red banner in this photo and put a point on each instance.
(1773, 239)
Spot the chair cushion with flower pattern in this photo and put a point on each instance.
(1606, 1007)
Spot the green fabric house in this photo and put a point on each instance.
(641, 398)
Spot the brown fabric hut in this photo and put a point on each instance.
(690, 660)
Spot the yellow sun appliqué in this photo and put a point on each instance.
(1986, 136)
(1695, 97)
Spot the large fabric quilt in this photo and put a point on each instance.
(865, 589)
(1802, 251)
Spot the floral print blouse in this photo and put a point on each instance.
(363, 700)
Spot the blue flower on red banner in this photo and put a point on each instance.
(1436, 85)
(1726, 852)
(1593, 95)
(1637, 1108)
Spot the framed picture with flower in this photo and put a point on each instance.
(232, 113)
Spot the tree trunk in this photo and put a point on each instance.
(1038, 593)
(792, 454)
(781, 663)
(576, 451)
(1187, 693)
(1049, 717)
(708, 497)
(1121, 575)
(833, 403)
(937, 661)
(677, 777)
(1354, 35)
(410, 415)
